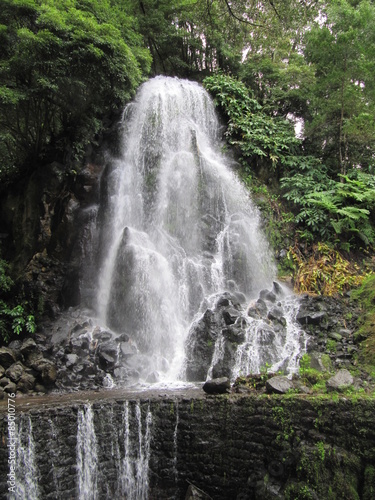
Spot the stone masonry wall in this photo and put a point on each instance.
(231, 447)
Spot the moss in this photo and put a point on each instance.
(369, 483)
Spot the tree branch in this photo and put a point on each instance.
(240, 18)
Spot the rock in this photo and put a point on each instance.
(10, 388)
(26, 383)
(127, 349)
(123, 338)
(2, 371)
(267, 295)
(4, 381)
(200, 344)
(335, 336)
(80, 343)
(217, 386)
(341, 381)
(277, 289)
(15, 371)
(316, 362)
(71, 360)
(230, 315)
(194, 493)
(34, 360)
(15, 345)
(153, 378)
(279, 385)
(102, 335)
(7, 357)
(240, 297)
(305, 317)
(48, 372)
(28, 346)
(257, 310)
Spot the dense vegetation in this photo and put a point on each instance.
(67, 65)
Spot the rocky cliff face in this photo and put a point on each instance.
(42, 221)
(230, 447)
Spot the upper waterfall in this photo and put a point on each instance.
(177, 226)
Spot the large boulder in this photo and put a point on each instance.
(279, 385)
(7, 357)
(340, 381)
(217, 386)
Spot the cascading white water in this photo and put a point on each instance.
(178, 225)
(26, 471)
(133, 482)
(87, 457)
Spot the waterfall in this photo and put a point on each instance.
(87, 457)
(26, 471)
(176, 225)
(134, 475)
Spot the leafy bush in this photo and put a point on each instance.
(63, 67)
(325, 272)
(15, 315)
(256, 134)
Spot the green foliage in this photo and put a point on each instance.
(325, 272)
(365, 295)
(250, 129)
(63, 66)
(15, 315)
(298, 184)
(348, 205)
(340, 124)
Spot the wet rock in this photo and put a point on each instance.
(7, 357)
(267, 295)
(217, 386)
(257, 310)
(120, 373)
(201, 344)
(340, 381)
(81, 343)
(194, 493)
(71, 360)
(305, 317)
(153, 378)
(230, 315)
(106, 361)
(15, 371)
(235, 333)
(127, 349)
(102, 335)
(240, 297)
(277, 289)
(279, 385)
(123, 338)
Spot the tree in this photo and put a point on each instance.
(340, 124)
(64, 65)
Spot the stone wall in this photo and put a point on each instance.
(231, 447)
